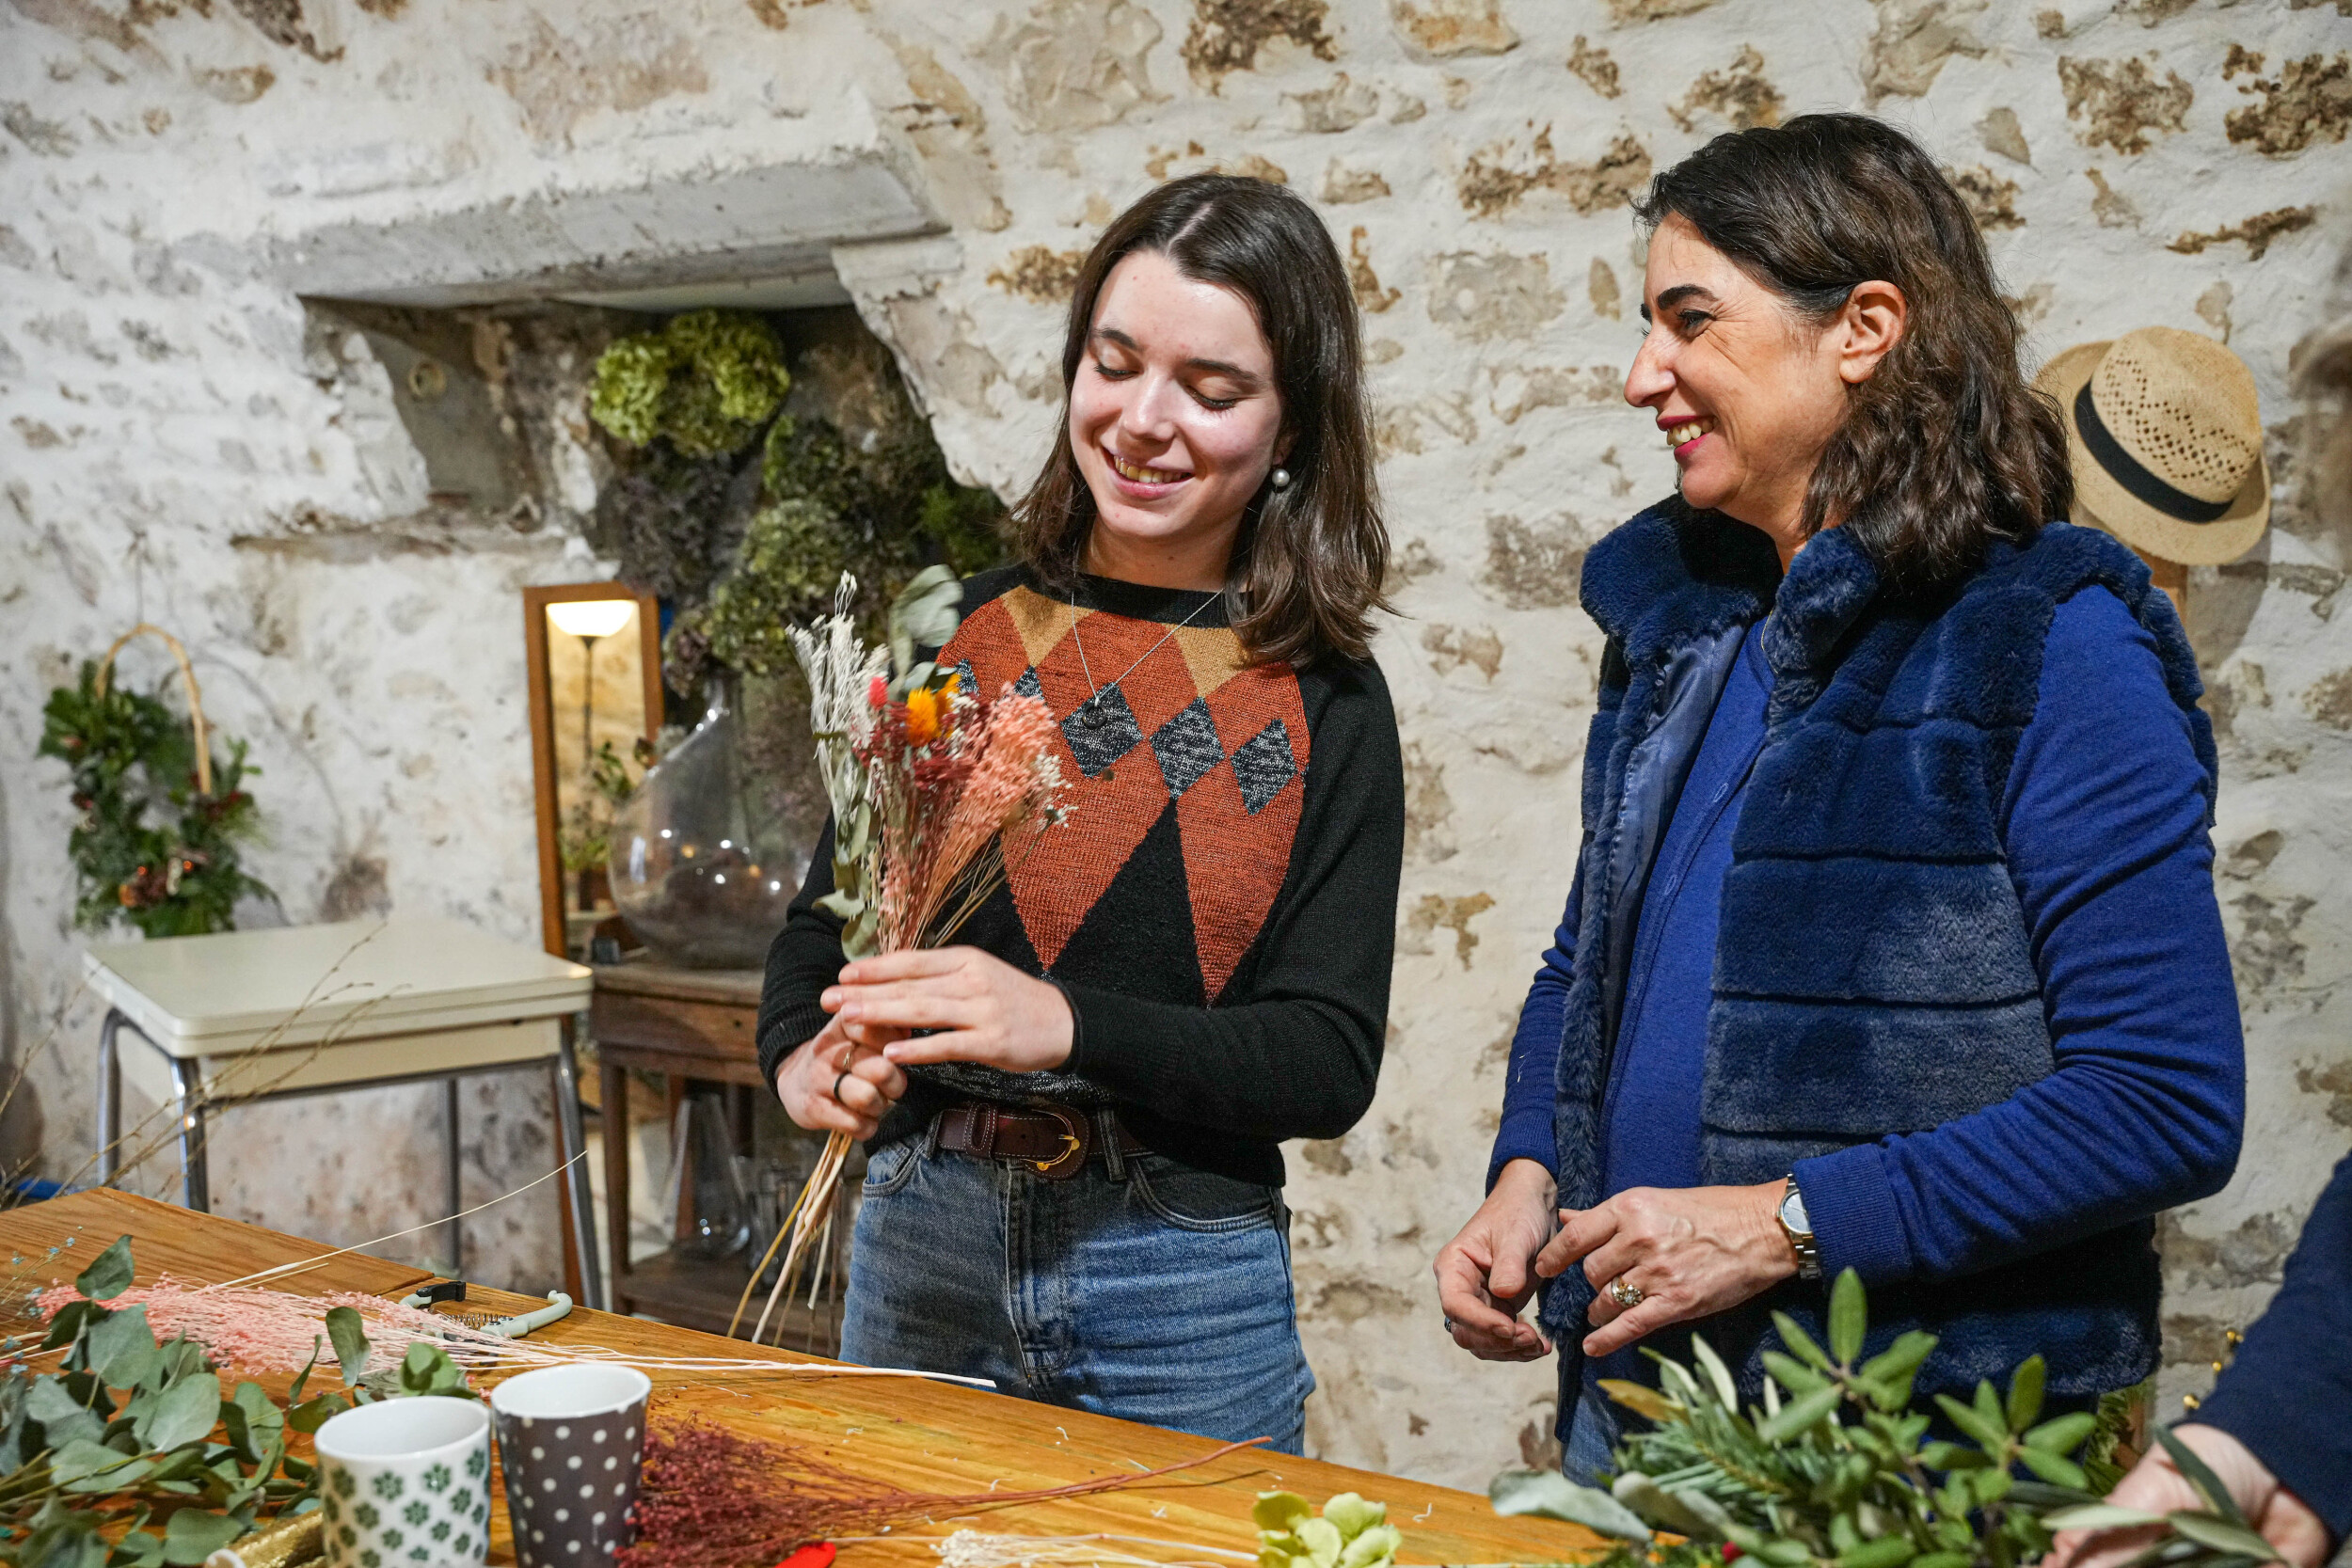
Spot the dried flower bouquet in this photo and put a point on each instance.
(937, 794)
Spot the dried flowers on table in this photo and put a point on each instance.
(937, 794)
(972, 1549)
(715, 1498)
(276, 1331)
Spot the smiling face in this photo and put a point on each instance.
(1746, 391)
(1175, 422)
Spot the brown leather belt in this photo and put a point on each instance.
(1053, 1143)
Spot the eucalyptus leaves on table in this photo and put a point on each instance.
(1834, 1466)
(110, 1461)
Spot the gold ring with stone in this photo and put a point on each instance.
(1623, 1293)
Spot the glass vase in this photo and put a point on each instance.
(720, 1225)
(710, 851)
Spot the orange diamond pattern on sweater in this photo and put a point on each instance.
(1190, 726)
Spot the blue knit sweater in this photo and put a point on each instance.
(2099, 773)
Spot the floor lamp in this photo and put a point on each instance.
(589, 620)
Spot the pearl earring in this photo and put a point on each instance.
(1281, 478)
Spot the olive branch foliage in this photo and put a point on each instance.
(1834, 1468)
(110, 1461)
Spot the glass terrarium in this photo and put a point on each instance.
(708, 854)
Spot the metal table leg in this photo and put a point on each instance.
(571, 1140)
(457, 1182)
(616, 1146)
(194, 1171)
(109, 1097)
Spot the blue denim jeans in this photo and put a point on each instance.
(1154, 1292)
(1591, 1440)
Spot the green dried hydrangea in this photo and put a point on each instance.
(708, 380)
(790, 558)
(1351, 1532)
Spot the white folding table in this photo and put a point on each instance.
(240, 1016)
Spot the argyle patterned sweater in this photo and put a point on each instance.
(1220, 909)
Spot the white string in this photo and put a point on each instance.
(307, 1263)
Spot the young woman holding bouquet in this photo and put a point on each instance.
(1072, 1116)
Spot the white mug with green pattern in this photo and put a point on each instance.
(406, 1484)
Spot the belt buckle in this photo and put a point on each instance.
(1071, 1158)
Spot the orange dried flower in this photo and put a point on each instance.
(924, 709)
(922, 717)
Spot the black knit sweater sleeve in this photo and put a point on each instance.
(1296, 1054)
(804, 959)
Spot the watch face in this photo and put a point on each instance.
(1792, 1213)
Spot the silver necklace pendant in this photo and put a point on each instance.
(1090, 715)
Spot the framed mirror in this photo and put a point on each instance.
(594, 661)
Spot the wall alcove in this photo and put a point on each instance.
(464, 349)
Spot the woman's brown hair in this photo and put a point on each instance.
(1309, 561)
(1944, 448)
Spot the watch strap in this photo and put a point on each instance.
(1800, 1240)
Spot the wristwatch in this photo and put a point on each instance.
(1799, 1230)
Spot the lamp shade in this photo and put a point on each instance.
(591, 617)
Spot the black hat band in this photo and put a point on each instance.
(2135, 477)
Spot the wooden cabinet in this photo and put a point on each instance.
(687, 1026)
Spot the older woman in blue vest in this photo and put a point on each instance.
(1893, 943)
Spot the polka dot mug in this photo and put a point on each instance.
(406, 1484)
(572, 1440)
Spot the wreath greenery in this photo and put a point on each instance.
(178, 873)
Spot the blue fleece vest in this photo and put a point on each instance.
(1873, 973)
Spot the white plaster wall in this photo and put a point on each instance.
(175, 445)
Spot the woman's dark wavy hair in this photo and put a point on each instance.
(1944, 448)
(1309, 562)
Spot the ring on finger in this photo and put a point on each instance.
(837, 1085)
(1626, 1293)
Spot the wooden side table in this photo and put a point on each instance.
(686, 1025)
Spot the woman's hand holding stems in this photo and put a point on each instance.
(975, 1007)
(1692, 1251)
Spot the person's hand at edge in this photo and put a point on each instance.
(1485, 1274)
(2156, 1485)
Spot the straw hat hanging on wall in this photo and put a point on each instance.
(2166, 443)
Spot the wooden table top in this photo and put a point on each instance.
(57, 1240)
(926, 1436)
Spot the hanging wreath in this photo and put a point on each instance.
(177, 874)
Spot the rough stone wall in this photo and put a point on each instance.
(181, 441)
